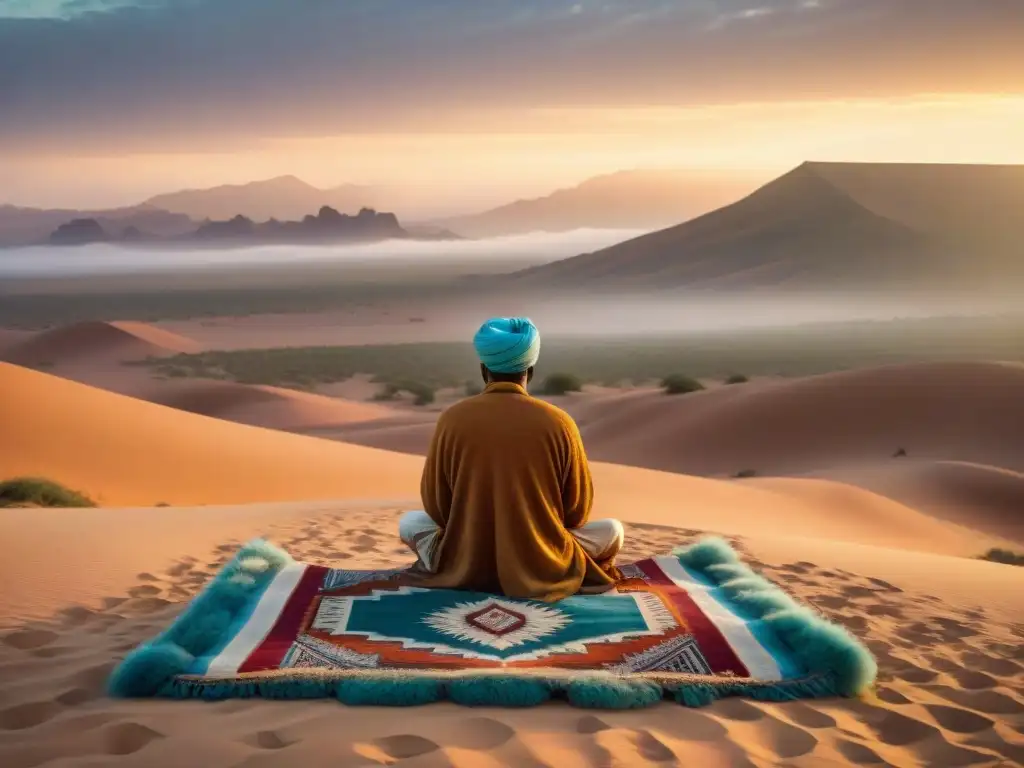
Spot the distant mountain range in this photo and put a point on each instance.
(640, 199)
(627, 200)
(284, 197)
(844, 225)
(30, 226)
(327, 226)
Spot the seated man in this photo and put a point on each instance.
(506, 487)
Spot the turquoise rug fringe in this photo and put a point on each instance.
(835, 663)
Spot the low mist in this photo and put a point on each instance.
(109, 259)
(630, 316)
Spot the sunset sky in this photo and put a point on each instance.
(105, 102)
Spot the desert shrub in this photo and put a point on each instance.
(561, 384)
(40, 492)
(737, 378)
(422, 394)
(387, 393)
(473, 388)
(175, 371)
(1004, 556)
(677, 384)
(745, 473)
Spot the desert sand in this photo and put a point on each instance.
(82, 587)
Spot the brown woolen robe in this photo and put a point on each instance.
(505, 478)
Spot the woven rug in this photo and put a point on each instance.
(692, 626)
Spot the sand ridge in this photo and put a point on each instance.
(95, 341)
(949, 691)
(263, 406)
(157, 455)
(120, 450)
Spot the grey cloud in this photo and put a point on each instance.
(102, 72)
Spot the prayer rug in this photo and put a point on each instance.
(692, 626)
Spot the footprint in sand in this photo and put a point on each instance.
(28, 639)
(958, 720)
(854, 591)
(179, 569)
(972, 680)
(591, 724)
(806, 716)
(991, 664)
(651, 748)
(268, 740)
(899, 730)
(989, 702)
(694, 726)
(884, 585)
(144, 590)
(738, 709)
(892, 696)
(400, 747)
(28, 715)
(481, 734)
(857, 753)
(128, 738)
(364, 544)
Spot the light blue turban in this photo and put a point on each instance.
(508, 344)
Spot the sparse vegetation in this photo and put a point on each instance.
(561, 384)
(40, 492)
(1003, 556)
(677, 384)
(737, 378)
(745, 473)
(422, 394)
(793, 352)
(387, 393)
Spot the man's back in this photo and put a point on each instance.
(505, 477)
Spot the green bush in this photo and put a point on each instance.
(422, 394)
(39, 492)
(1003, 556)
(388, 393)
(737, 378)
(677, 384)
(561, 384)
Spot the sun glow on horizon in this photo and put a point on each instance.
(488, 156)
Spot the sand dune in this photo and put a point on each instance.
(950, 661)
(120, 450)
(83, 587)
(943, 411)
(97, 342)
(263, 406)
(123, 451)
(983, 497)
(968, 412)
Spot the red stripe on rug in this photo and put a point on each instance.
(271, 652)
(713, 645)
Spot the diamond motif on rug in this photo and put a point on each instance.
(497, 624)
(496, 620)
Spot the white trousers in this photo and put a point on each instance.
(601, 539)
